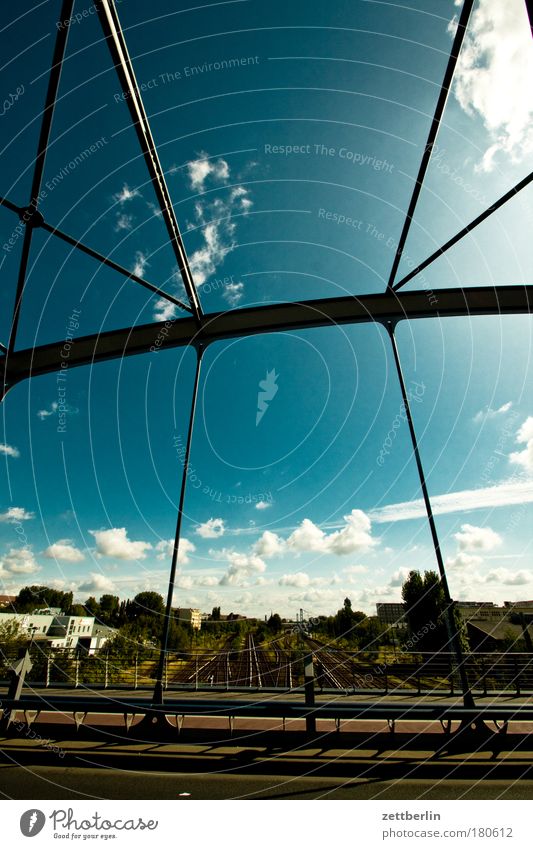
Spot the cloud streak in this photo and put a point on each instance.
(504, 494)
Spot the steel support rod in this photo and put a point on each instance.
(468, 699)
(433, 131)
(32, 214)
(468, 229)
(112, 29)
(75, 243)
(158, 689)
(114, 265)
(11, 206)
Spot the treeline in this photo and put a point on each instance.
(139, 621)
(109, 610)
(353, 627)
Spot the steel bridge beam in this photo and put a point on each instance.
(275, 318)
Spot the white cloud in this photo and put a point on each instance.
(164, 310)
(114, 542)
(307, 537)
(472, 538)
(140, 264)
(97, 583)
(203, 169)
(64, 550)
(213, 218)
(126, 194)
(503, 494)
(525, 435)
(123, 222)
(489, 413)
(166, 548)
(212, 529)
(508, 578)
(355, 570)
(354, 536)
(241, 568)
(399, 577)
(463, 561)
(44, 414)
(297, 579)
(9, 450)
(493, 78)
(263, 505)
(233, 293)
(218, 242)
(19, 561)
(269, 545)
(244, 599)
(218, 230)
(187, 582)
(315, 596)
(156, 210)
(14, 515)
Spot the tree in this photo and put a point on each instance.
(428, 615)
(12, 634)
(368, 633)
(345, 620)
(109, 607)
(147, 603)
(215, 614)
(37, 597)
(274, 623)
(92, 607)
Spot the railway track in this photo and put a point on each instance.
(336, 669)
(248, 667)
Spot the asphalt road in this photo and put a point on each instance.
(47, 782)
(363, 762)
(286, 766)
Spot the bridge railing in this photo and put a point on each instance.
(273, 668)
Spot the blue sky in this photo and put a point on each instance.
(290, 138)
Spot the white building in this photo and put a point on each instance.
(190, 616)
(62, 632)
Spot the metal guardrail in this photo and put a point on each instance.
(277, 669)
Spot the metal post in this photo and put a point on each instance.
(48, 664)
(158, 689)
(309, 687)
(468, 699)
